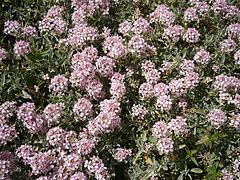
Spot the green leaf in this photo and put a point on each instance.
(26, 95)
(149, 161)
(193, 151)
(182, 146)
(197, 170)
(180, 177)
(144, 135)
(153, 139)
(194, 160)
(199, 111)
(165, 168)
(202, 140)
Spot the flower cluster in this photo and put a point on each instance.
(235, 121)
(7, 131)
(165, 145)
(52, 113)
(139, 111)
(21, 48)
(79, 35)
(173, 33)
(41, 162)
(83, 108)
(3, 54)
(31, 120)
(138, 46)
(113, 46)
(15, 29)
(228, 45)
(151, 74)
(178, 125)
(118, 88)
(228, 11)
(226, 175)
(190, 14)
(105, 66)
(105, 122)
(164, 102)
(25, 152)
(7, 110)
(202, 57)
(233, 31)
(146, 90)
(163, 15)
(141, 25)
(84, 72)
(29, 32)
(12, 28)
(237, 57)
(200, 9)
(95, 89)
(217, 118)
(191, 35)
(7, 165)
(53, 21)
(125, 28)
(111, 105)
(122, 154)
(59, 84)
(160, 129)
(182, 85)
(186, 67)
(90, 6)
(226, 83)
(96, 167)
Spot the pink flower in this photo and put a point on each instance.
(95, 89)
(233, 31)
(110, 105)
(161, 89)
(3, 54)
(140, 25)
(21, 48)
(114, 47)
(191, 35)
(105, 122)
(52, 113)
(29, 32)
(173, 33)
(59, 84)
(202, 57)
(125, 28)
(165, 145)
(12, 28)
(139, 111)
(163, 15)
(178, 125)
(228, 45)
(96, 167)
(77, 176)
(237, 57)
(105, 66)
(164, 102)
(122, 154)
(146, 90)
(160, 129)
(83, 108)
(190, 14)
(217, 118)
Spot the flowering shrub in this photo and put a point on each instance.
(120, 89)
